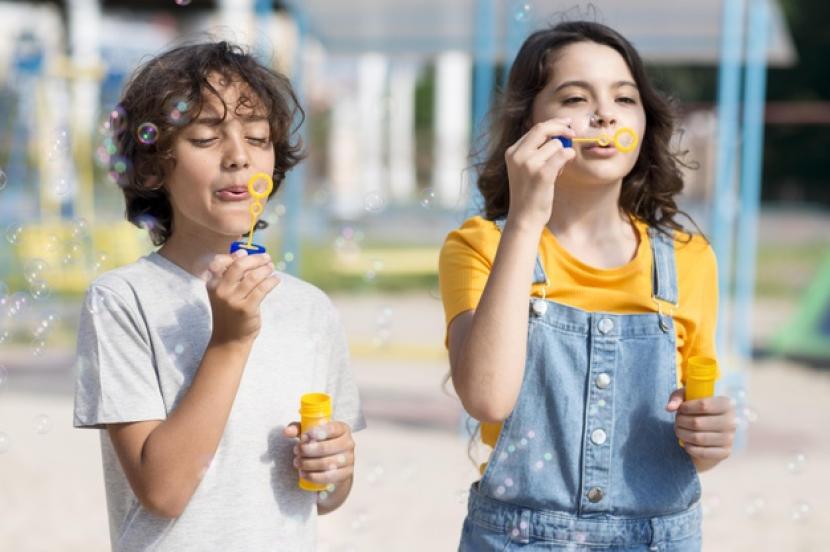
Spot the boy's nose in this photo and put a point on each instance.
(236, 157)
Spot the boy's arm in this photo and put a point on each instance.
(164, 461)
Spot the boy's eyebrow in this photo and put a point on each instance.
(216, 121)
(584, 84)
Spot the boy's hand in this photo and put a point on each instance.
(324, 454)
(706, 427)
(236, 285)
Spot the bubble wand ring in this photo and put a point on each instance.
(255, 209)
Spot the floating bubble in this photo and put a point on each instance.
(288, 257)
(118, 119)
(72, 255)
(61, 187)
(427, 198)
(4, 375)
(800, 511)
(548, 456)
(33, 269)
(13, 233)
(80, 229)
(375, 473)
(3, 180)
(4, 336)
(39, 289)
(5, 443)
(755, 506)
(43, 424)
(374, 202)
(179, 349)
(522, 13)
(42, 330)
(38, 347)
(147, 133)
(16, 304)
(100, 262)
(795, 465)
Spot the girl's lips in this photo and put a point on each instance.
(599, 152)
(232, 194)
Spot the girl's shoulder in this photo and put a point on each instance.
(477, 239)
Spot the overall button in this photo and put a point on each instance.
(540, 307)
(595, 494)
(605, 325)
(598, 436)
(603, 380)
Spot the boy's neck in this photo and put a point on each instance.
(194, 253)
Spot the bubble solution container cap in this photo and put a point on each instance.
(567, 142)
(315, 405)
(253, 249)
(702, 368)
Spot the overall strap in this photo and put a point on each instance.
(664, 270)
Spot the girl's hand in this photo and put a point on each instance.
(325, 453)
(236, 285)
(706, 427)
(533, 164)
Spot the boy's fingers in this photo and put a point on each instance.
(291, 430)
(709, 405)
(329, 476)
(675, 399)
(707, 453)
(327, 463)
(331, 447)
(243, 264)
(252, 278)
(263, 288)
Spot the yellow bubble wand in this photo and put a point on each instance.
(256, 210)
(604, 140)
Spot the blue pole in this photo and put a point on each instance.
(295, 180)
(751, 168)
(484, 53)
(724, 203)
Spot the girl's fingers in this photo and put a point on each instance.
(540, 134)
(722, 423)
(707, 453)
(704, 439)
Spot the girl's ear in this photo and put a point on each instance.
(153, 183)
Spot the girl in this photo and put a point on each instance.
(192, 361)
(570, 307)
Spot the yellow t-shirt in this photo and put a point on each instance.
(467, 258)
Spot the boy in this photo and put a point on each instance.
(194, 360)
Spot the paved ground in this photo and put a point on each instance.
(413, 469)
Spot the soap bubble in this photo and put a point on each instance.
(4, 375)
(5, 443)
(795, 464)
(118, 119)
(43, 424)
(427, 198)
(374, 202)
(147, 133)
(39, 289)
(13, 233)
(3, 180)
(522, 13)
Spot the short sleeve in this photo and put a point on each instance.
(464, 266)
(116, 378)
(340, 383)
(701, 340)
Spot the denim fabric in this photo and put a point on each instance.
(588, 457)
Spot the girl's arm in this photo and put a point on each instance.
(488, 345)
(164, 461)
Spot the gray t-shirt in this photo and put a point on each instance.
(143, 331)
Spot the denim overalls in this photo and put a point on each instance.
(588, 458)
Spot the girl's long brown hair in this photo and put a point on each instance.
(648, 191)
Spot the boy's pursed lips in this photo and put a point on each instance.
(235, 192)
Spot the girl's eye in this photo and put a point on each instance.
(574, 99)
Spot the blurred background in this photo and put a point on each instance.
(396, 94)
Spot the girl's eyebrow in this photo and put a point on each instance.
(588, 86)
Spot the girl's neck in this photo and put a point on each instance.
(588, 213)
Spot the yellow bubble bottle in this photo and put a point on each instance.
(700, 377)
(315, 410)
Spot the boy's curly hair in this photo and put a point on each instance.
(169, 92)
